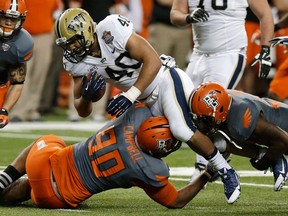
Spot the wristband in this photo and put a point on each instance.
(3, 111)
(132, 94)
(188, 20)
(276, 27)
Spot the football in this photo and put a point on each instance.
(96, 86)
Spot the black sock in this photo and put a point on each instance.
(9, 175)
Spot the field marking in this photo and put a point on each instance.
(79, 126)
(35, 136)
(188, 171)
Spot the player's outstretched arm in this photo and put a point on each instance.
(170, 197)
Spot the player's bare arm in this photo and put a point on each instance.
(17, 76)
(179, 12)
(262, 10)
(271, 135)
(142, 51)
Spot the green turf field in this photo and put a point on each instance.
(257, 197)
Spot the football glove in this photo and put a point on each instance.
(198, 15)
(93, 86)
(3, 118)
(279, 41)
(168, 61)
(121, 102)
(264, 62)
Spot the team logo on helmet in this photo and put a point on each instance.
(211, 100)
(76, 23)
(161, 145)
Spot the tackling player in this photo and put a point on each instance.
(245, 118)
(16, 49)
(61, 176)
(127, 61)
(220, 42)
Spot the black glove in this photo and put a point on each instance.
(118, 105)
(261, 164)
(264, 61)
(92, 86)
(3, 117)
(198, 15)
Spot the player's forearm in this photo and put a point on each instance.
(267, 27)
(12, 96)
(187, 193)
(83, 107)
(178, 18)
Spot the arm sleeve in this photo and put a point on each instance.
(164, 195)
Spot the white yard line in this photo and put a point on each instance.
(80, 126)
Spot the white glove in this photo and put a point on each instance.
(168, 61)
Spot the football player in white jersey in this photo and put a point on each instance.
(220, 42)
(127, 61)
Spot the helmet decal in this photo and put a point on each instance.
(76, 23)
(209, 104)
(154, 137)
(211, 100)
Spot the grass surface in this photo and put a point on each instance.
(255, 199)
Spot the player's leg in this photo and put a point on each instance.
(15, 170)
(39, 172)
(227, 70)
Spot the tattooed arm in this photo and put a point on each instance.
(16, 77)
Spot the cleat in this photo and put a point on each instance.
(199, 169)
(231, 183)
(280, 172)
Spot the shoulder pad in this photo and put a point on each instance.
(24, 45)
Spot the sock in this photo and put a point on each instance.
(218, 161)
(201, 160)
(9, 175)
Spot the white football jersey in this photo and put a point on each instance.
(115, 64)
(118, 68)
(224, 30)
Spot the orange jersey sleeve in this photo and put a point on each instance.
(163, 195)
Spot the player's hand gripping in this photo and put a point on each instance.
(198, 15)
(264, 62)
(168, 61)
(93, 86)
(3, 118)
(121, 102)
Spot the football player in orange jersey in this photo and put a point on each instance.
(16, 49)
(60, 176)
(244, 118)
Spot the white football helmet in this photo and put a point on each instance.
(75, 31)
(12, 17)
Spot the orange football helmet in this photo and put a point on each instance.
(155, 138)
(12, 17)
(209, 104)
